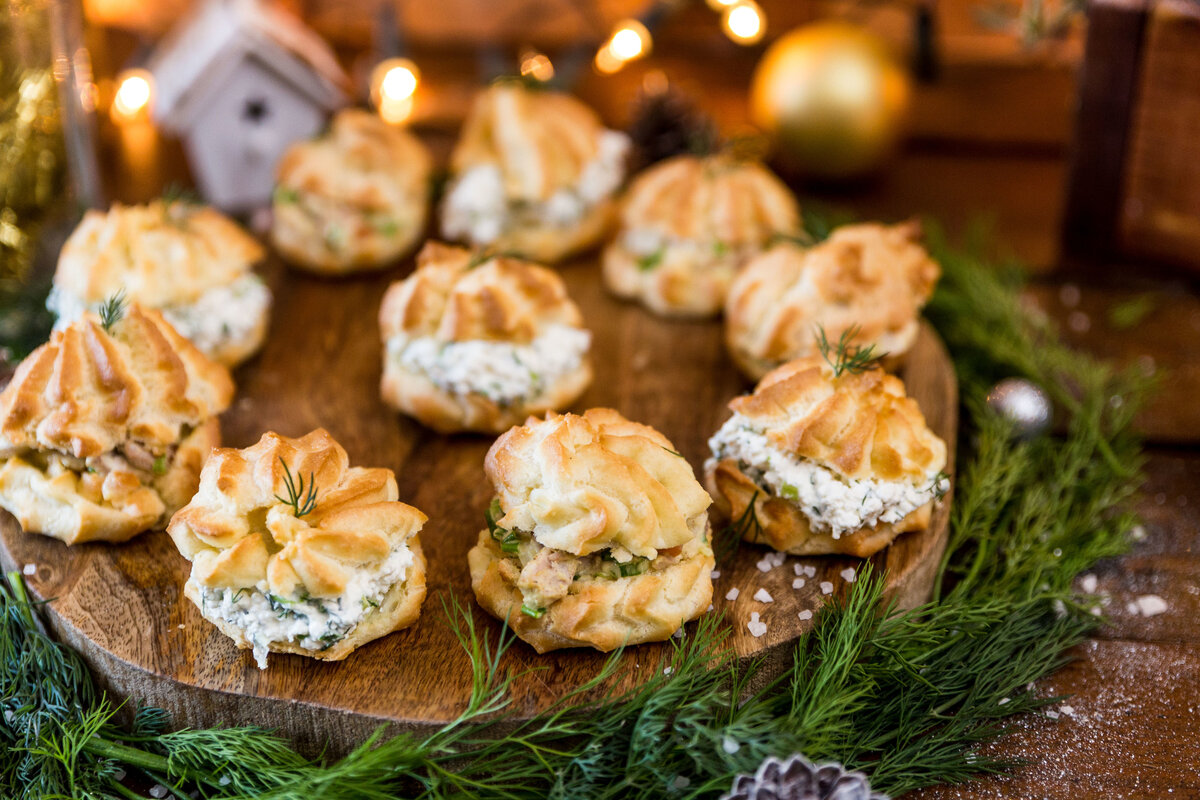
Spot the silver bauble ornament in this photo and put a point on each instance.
(1023, 403)
(797, 778)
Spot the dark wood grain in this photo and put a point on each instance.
(123, 606)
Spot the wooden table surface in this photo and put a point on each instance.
(1131, 725)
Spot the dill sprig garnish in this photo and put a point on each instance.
(302, 500)
(845, 356)
(113, 310)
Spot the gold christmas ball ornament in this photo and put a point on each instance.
(832, 98)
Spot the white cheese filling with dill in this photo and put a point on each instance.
(503, 372)
(478, 208)
(833, 504)
(221, 315)
(312, 623)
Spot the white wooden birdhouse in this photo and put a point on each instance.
(238, 81)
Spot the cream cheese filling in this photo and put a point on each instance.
(311, 623)
(504, 372)
(833, 504)
(478, 209)
(219, 316)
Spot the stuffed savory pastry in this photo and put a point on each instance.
(688, 225)
(187, 260)
(103, 431)
(598, 535)
(295, 551)
(534, 173)
(871, 280)
(477, 343)
(354, 199)
(831, 463)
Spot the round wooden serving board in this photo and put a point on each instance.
(122, 606)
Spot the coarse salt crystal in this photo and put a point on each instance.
(798, 568)
(777, 558)
(1003, 700)
(716, 573)
(798, 583)
(1052, 714)
(732, 594)
(1088, 583)
(1131, 608)
(810, 571)
(763, 596)
(1151, 605)
(158, 790)
(754, 616)
(29, 569)
(225, 780)
(805, 614)
(678, 634)
(681, 782)
(756, 628)
(826, 587)
(730, 746)
(764, 565)
(668, 670)
(848, 574)
(1137, 533)
(1065, 709)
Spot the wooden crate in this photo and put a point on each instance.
(1134, 188)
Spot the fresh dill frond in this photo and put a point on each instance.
(729, 538)
(113, 310)
(845, 356)
(302, 499)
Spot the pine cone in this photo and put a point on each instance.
(797, 778)
(667, 124)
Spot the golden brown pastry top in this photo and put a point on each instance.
(88, 390)
(541, 140)
(873, 276)
(715, 198)
(161, 253)
(587, 483)
(363, 162)
(858, 425)
(238, 532)
(457, 296)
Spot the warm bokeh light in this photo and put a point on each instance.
(720, 5)
(744, 22)
(537, 66)
(630, 41)
(393, 83)
(135, 89)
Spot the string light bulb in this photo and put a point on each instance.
(629, 41)
(744, 22)
(537, 66)
(394, 82)
(135, 90)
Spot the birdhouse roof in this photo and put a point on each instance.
(208, 45)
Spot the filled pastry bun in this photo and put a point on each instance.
(321, 576)
(871, 278)
(688, 224)
(479, 342)
(534, 173)
(831, 464)
(187, 260)
(354, 199)
(598, 535)
(103, 432)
